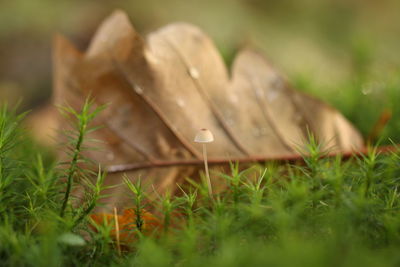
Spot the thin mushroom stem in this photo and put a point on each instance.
(210, 193)
(117, 231)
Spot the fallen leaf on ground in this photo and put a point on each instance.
(163, 88)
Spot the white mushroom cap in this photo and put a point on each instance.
(204, 136)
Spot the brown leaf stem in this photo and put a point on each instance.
(223, 161)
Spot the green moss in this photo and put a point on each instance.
(326, 212)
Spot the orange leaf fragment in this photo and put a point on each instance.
(128, 224)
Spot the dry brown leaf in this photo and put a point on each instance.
(164, 88)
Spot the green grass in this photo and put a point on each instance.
(322, 212)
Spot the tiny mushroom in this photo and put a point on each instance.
(205, 136)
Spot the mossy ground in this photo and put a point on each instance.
(321, 212)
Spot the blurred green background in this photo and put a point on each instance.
(343, 51)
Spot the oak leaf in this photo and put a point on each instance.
(162, 88)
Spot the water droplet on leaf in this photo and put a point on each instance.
(194, 73)
(138, 89)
